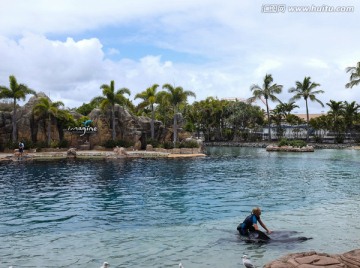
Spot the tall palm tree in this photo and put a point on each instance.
(355, 75)
(149, 98)
(16, 92)
(306, 91)
(110, 99)
(177, 96)
(267, 92)
(351, 112)
(336, 109)
(48, 110)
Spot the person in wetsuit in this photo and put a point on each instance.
(250, 223)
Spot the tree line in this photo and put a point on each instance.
(215, 119)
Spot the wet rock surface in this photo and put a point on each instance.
(314, 259)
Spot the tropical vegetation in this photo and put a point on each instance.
(306, 90)
(211, 119)
(15, 92)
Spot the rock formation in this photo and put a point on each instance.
(131, 128)
(274, 148)
(313, 259)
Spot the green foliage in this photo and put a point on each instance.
(168, 145)
(81, 120)
(60, 144)
(153, 142)
(86, 108)
(189, 144)
(119, 143)
(293, 143)
(12, 145)
(41, 144)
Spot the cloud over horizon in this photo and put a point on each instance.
(210, 47)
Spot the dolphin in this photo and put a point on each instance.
(276, 236)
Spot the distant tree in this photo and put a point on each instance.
(286, 108)
(15, 92)
(48, 110)
(306, 91)
(267, 92)
(86, 108)
(110, 99)
(351, 115)
(176, 97)
(243, 118)
(337, 119)
(149, 97)
(354, 75)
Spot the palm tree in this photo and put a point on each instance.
(16, 92)
(336, 109)
(351, 112)
(110, 99)
(267, 92)
(354, 77)
(149, 98)
(306, 91)
(286, 108)
(177, 96)
(47, 109)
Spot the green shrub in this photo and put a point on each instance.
(293, 143)
(168, 145)
(119, 143)
(63, 144)
(12, 145)
(41, 144)
(298, 143)
(283, 142)
(189, 144)
(153, 142)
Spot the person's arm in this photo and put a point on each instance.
(263, 225)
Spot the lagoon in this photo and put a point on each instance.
(159, 212)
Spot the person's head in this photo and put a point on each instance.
(256, 211)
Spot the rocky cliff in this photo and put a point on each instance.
(128, 127)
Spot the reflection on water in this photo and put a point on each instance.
(158, 212)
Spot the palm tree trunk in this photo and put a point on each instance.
(113, 122)
(14, 122)
(307, 121)
(269, 124)
(152, 122)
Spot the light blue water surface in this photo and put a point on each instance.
(159, 212)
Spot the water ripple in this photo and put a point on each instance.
(137, 212)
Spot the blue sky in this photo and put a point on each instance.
(67, 48)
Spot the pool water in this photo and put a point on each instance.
(160, 212)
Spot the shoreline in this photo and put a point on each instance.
(265, 144)
(107, 154)
(92, 154)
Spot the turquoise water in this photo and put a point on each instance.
(159, 212)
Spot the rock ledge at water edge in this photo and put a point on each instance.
(312, 259)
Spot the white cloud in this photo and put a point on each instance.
(212, 47)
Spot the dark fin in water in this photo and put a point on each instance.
(259, 235)
(303, 238)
